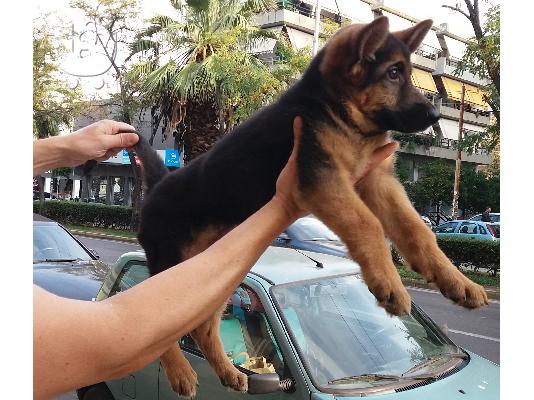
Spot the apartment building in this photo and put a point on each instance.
(433, 74)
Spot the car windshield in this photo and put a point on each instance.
(53, 243)
(312, 229)
(344, 337)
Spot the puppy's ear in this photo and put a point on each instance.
(354, 44)
(412, 37)
(372, 37)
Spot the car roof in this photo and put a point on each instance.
(40, 220)
(279, 265)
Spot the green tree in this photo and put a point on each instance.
(113, 22)
(434, 185)
(198, 73)
(482, 58)
(55, 104)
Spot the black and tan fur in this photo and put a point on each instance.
(355, 90)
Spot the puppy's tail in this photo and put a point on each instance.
(151, 164)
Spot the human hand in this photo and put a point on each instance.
(286, 184)
(98, 141)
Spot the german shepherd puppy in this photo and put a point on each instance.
(356, 89)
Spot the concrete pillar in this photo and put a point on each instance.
(76, 186)
(47, 183)
(127, 191)
(109, 190)
(86, 187)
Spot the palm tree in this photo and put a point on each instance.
(198, 74)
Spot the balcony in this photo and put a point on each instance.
(296, 15)
(447, 66)
(431, 146)
(425, 56)
(283, 16)
(451, 109)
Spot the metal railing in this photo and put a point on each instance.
(307, 10)
(427, 51)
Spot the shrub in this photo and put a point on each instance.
(476, 253)
(86, 214)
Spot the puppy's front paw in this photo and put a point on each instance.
(391, 294)
(183, 381)
(234, 379)
(461, 290)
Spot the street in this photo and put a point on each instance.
(476, 330)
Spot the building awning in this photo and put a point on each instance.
(423, 80)
(473, 94)
(299, 39)
(265, 45)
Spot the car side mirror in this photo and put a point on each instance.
(263, 383)
(283, 238)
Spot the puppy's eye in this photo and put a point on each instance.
(393, 73)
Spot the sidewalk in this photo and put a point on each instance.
(492, 291)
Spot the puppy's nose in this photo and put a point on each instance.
(432, 114)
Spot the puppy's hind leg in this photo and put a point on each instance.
(209, 341)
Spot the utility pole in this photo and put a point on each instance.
(456, 193)
(317, 28)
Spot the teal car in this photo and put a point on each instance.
(304, 326)
(469, 229)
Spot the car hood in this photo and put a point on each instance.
(477, 380)
(76, 280)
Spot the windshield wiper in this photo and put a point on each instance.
(61, 259)
(432, 359)
(380, 377)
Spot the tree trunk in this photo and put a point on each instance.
(201, 122)
(41, 194)
(136, 198)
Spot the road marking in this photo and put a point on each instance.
(417, 289)
(474, 335)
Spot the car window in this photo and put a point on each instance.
(496, 228)
(469, 228)
(131, 274)
(339, 331)
(52, 242)
(447, 227)
(482, 230)
(246, 334)
(309, 228)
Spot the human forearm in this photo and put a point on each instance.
(48, 154)
(186, 295)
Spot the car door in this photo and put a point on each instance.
(142, 384)
(446, 229)
(247, 340)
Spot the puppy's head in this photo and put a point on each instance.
(370, 68)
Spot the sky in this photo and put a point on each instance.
(85, 60)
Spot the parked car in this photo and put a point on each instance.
(62, 265)
(495, 217)
(309, 233)
(300, 332)
(469, 229)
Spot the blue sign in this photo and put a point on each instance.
(172, 158)
(125, 158)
